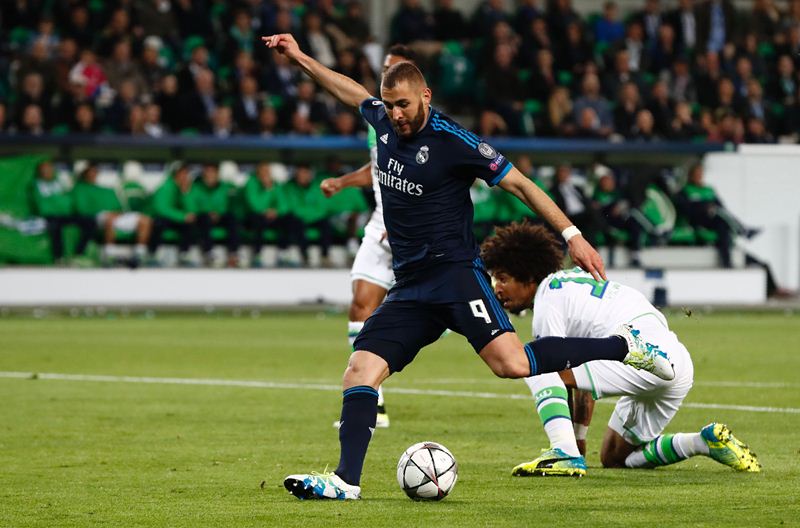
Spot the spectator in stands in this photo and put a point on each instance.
(664, 52)
(728, 101)
(644, 131)
(742, 76)
(634, 45)
(559, 15)
(3, 124)
(411, 23)
(783, 87)
(660, 107)
(119, 27)
(241, 35)
(169, 102)
(621, 74)
(703, 209)
(504, 95)
(683, 127)
(538, 37)
(52, 201)
(345, 123)
(116, 116)
(79, 28)
(38, 60)
(628, 106)
(152, 121)
(683, 22)
(315, 41)
(192, 18)
(756, 131)
(575, 52)
(172, 210)
(573, 201)
(680, 83)
(267, 122)
(591, 98)
(121, 67)
(448, 22)
(66, 57)
(268, 208)
(543, 79)
(101, 205)
(608, 28)
(247, 106)
(210, 200)
(618, 223)
(157, 18)
(558, 114)
(354, 25)
(716, 24)
(282, 78)
(152, 70)
(222, 125)
(707, 77)
(306, 114)
(199, 105)
(33, 93)
(305, 199)
(89, 74)
(84, 120)
(31, 121)
(198, 62)
(486, 17)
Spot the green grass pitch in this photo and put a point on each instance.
(110, 453)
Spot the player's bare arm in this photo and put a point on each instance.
(582, 253)
(343, 88)
(361, 177)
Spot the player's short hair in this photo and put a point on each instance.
(400, 72)
(527, 252)
(401, 50)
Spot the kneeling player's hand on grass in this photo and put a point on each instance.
(585, 256)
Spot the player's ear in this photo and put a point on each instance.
(426, 95)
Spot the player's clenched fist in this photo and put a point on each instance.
(284, 43)
(330, 186)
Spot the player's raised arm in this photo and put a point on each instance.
(582, 253)
(361, 177)
(343, 88)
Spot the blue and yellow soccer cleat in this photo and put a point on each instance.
(321, 486)
(645, 356)
(552, 462)
(729, 450)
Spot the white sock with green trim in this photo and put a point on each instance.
(551, 395)
(667, 449)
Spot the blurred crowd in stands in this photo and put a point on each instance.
(194, 209)
(702, 70)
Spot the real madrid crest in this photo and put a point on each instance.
(422, 154)
(487, 151)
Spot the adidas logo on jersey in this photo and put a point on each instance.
(385, 138)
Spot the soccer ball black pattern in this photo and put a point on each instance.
(427, 471)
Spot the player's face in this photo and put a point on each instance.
(407, 107)
(514, 295)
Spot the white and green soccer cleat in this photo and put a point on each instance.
(552, 462)
(729, 450)
(645, 356)
(321, 486)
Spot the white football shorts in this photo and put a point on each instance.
(373, 262)
(125, 222)
(647, 403)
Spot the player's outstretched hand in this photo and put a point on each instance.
(330, 186)
(283, 43)
(585, 256)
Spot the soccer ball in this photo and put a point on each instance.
(427, 471)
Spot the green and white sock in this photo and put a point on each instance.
(551, 396)
(667, 449)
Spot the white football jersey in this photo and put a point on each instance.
(570, 303)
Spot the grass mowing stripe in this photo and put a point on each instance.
(337, 388)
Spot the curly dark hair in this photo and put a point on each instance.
(527, 252)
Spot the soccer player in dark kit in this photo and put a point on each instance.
(426, 165)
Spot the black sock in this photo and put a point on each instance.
(551, 354)
(359, 410)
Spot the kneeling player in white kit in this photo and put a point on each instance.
(372, 273)
(524, 261)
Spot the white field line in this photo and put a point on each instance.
(337, 388)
